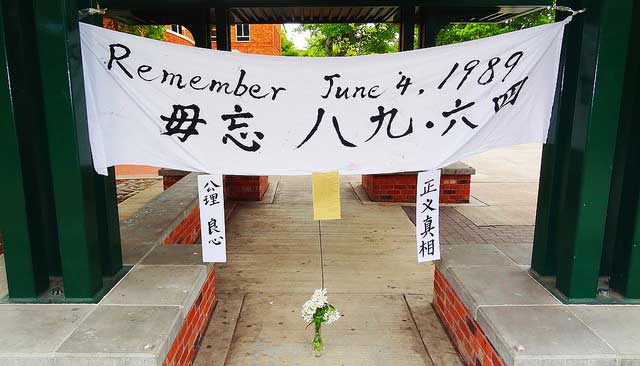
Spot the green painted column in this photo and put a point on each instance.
(200, 28)
(407, 28)
(602, 58)
(74, 181)
(556, 150)
(431, 22)
(108, 220)
(109, 238)
(223, 30)
(623, 223)
(27, 218)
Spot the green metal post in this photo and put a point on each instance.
(429, 27)
(74, 182)
(106, 200)
(109, 223)
(223, 30)
(556, 150)
(27, 219)
(605, 37)
(407, 28)
(625, 216)
(201, 29)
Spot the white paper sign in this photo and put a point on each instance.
(211, 196)
(428, 216)
(161, 104)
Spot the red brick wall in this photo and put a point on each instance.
(245, 188)
(173, 38)
(464, 331)
(264, 39)
(186, 344)
(402, 187)
(455, 188)
(188, 231)
(169, 180)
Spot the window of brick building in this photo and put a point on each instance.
(176, 28)
(213, 33)
(242, 32)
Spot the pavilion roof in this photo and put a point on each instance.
(317, 11)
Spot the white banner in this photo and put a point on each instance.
(212, 229)
(428, 216)
(161, 104)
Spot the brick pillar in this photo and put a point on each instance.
(245, 188)
(465, 332)
(455, 185)
(171, 176)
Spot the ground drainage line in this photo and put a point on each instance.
(235, 328)
(424, 345)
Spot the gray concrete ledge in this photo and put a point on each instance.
(525, 323)
(166, 172)
(457, 168)
(136, 323)
(157, 219)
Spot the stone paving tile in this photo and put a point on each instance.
(520, 163)
(217, 337)
(519, 253)
(374, 264)
(433, 334)
(127, 188)
(133, 334)
(619, 326)
(267, 273)
(180, 254)
(499, 215)
(457, 229)
(138, 199)
(540, 335)
(3, 283)
(29, 330)
(498, 285)
(3, 278)
(375, 330)
(158, 285)
(506, 194)
(473, 255)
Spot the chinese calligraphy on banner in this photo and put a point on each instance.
(161, 104)
(211, 197)
(428, 216)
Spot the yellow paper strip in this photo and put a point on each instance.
(326, 195)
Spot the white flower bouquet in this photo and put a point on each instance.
(317, 311)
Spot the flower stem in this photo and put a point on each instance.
(317, 340)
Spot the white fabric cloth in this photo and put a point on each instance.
(134, 86)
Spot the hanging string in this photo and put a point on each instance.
(83, 13)
(568, 10)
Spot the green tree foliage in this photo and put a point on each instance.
(364, 39)
(288, 48)
(147, 31)
(455, 33)
(350, 39)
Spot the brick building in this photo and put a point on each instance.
(263, 39)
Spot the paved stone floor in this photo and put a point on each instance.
(277, 255)
(129, 187)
